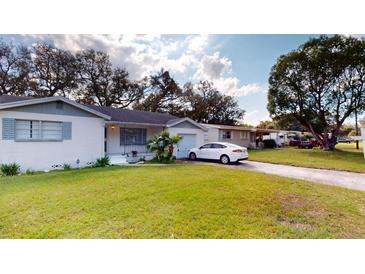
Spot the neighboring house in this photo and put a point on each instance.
(244, 136)
(44, 133)
(241, 136)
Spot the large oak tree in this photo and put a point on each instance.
(320, 85)
(54, 71)
(161, 94)
(102, 84)
(14, 69)
(206, 104)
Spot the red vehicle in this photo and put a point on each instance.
(294, 143)
(314, 143)
(305, 144)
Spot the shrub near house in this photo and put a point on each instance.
(163, 146)
(10, 169)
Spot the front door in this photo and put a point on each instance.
(187, 142)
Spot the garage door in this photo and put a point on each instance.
(188, 141)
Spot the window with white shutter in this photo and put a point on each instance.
(31, 130)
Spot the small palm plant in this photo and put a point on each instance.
(163, 145)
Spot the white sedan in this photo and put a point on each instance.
(225, 152)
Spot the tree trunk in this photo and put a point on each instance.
(323, 139)
(325, 142)
(329, 143)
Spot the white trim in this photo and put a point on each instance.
(52, 99)
(175, 122)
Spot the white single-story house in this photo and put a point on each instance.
(45, 133)
(241, 136)
(245, 136)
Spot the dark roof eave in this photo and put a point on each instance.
(134, 123)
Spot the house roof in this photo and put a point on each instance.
(240, 128)
(129, 116)
(177, 121)
(9, 101)
(229, 127)
(11, 98)
(125, 116)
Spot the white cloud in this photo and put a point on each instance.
(231, 86)
(356, 35)
(255, 116)
(213, 66)
(215, 69)
(251, 114)
(196, 43)
(142, 55)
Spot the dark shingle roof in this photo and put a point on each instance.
(116, 114)
(11, 98)
(134, 116)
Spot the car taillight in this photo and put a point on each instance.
(237, 150)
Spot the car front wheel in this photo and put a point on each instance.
(192, 156)
(224, 159)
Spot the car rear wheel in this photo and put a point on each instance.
(225, 159)
(192, 156)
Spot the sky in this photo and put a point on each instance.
(239, 65)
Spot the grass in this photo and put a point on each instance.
(345, 157)
(350, 147)
(176, 201)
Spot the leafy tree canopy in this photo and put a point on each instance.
(267, 124)
(90, 78)
(14, 69)
(103, 85)
(162, 94)
(54, 71)
(320, 85)
(205, 104)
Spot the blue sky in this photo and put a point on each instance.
(238, 65)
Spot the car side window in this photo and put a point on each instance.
(206, 146)
(218, 146)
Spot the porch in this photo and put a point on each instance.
(127, 143)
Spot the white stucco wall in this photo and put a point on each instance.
(198, 132)
(213, 134)
(87, 143)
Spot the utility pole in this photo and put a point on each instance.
(356, 129)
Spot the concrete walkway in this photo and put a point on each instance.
(330, 177)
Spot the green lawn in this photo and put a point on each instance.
(177, 201)
(350, 147)
(345, 157)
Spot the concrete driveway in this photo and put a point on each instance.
(345, 179)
